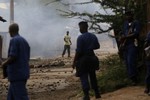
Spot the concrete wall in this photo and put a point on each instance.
(4, 45)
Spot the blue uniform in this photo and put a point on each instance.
(86, 44)
(131, 48)
(18, 70)
(148, 63)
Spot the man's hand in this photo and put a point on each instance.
(3, 64)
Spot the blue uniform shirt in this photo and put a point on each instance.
(19, 69)
(87, 42)
(148, 37)
(135, 30)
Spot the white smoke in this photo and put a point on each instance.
(41, 24)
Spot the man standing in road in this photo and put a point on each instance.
(67, 43)
(85, 60)
(17, 65)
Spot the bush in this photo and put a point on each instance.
(113, 74)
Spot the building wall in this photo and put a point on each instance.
(5, 43)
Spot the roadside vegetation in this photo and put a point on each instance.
(113, 74)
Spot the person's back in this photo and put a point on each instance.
(17, 65)
(85, 60)
(89, 42)
(21, 50)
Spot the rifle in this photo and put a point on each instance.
(124, 40)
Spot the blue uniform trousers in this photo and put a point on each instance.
(148, 73)
(85, 82)
(130, 56)
(17, 91)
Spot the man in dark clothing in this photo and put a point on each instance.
(147, 62)
(17, 65)
(85, 60)
(131, 30)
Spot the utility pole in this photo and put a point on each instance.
(11, 11)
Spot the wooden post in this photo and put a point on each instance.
(11, 11)
(1, 45)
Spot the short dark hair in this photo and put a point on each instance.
(83, 23)
(14, 28)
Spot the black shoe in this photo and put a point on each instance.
(97, 96)
(146, 91)
(86, 97)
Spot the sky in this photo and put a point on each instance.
(43, 27)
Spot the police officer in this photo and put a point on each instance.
(131, 29)
(147, 63)
(85, 60)
(17, 65)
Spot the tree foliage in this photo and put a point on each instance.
(115, 19)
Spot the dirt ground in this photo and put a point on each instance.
(53, 79)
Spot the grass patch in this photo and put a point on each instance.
(113, 74)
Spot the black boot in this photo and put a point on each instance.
(147, 90)
(86, 95)
(97, 94)
(134, 80)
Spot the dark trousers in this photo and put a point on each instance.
(148, 74)
(130, 56)
(88, 78)
(66, 47)
(17, 91)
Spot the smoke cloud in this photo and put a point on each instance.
(41, 24)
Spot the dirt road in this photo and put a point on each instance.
(52, 80)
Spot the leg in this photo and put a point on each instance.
(19, 90)
(64, 51)
(132, 70)
(68, 49)
(85, 85)
(93, 81)
(10, 93)
(147, 90)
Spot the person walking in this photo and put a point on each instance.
(67, 43)
(85, 60)
(17, 65)
(131, 30)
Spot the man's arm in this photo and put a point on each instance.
(4, 65)
(8, 61)
(75, 59)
